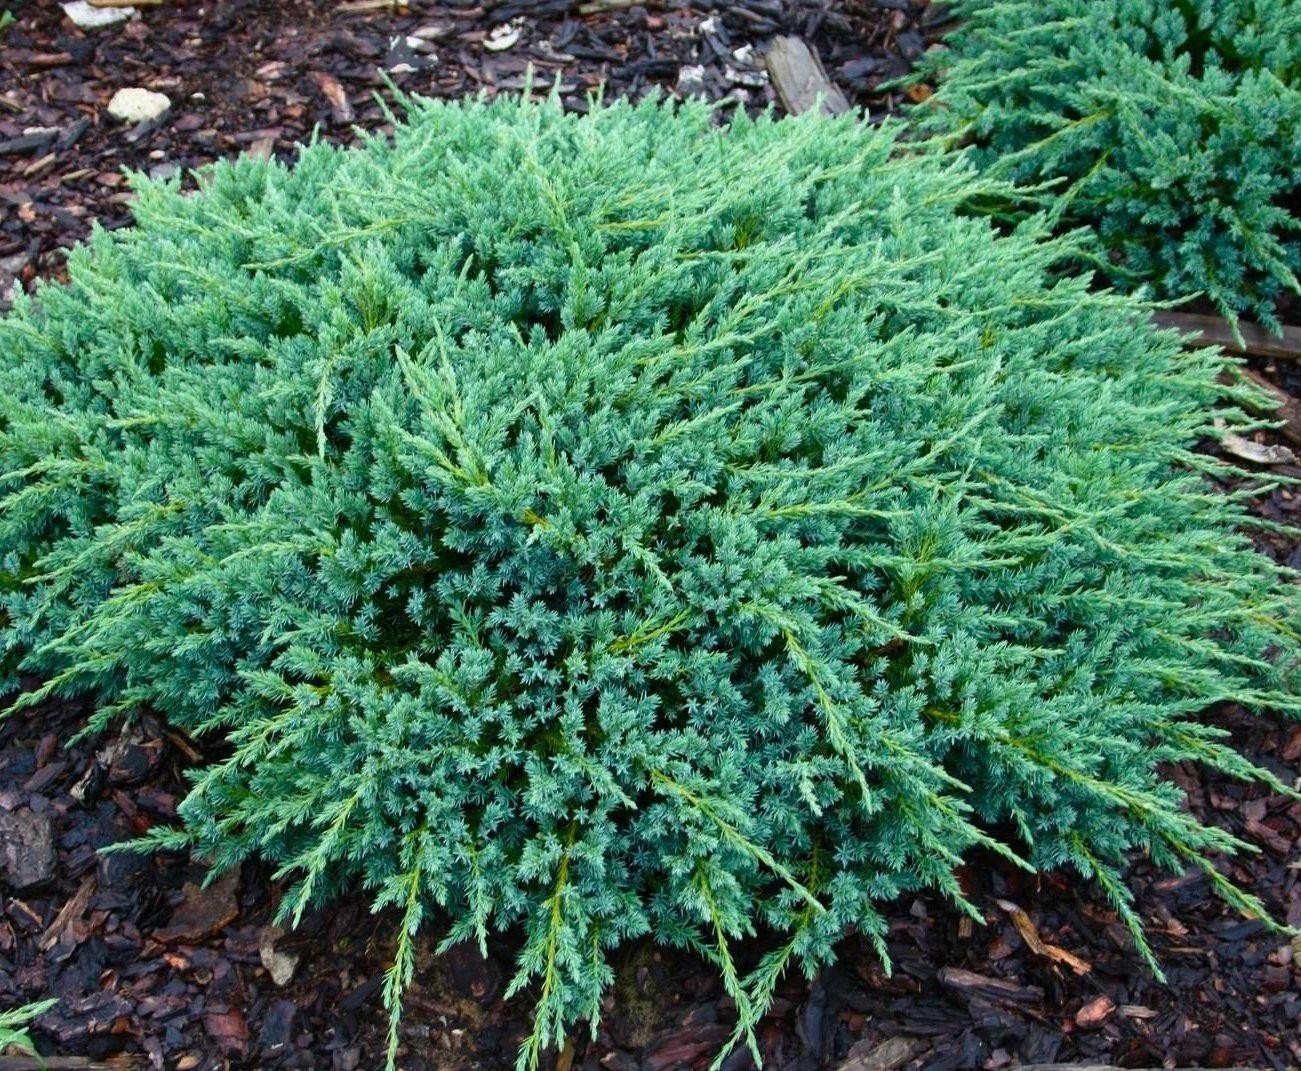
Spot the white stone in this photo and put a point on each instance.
(87, 17)
(504, 36)
(138, 105)
(745, 78)
(691, 80)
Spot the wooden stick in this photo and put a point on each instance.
(1214, 331)
(799, 77)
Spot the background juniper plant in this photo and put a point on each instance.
(619, 525)
(1171, 127)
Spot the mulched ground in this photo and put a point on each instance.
(155, 971)
(246, 75)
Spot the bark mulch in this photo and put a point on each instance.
(155, 971)
(245, 75)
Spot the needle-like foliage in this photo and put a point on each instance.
(600, 526)
(1172, 128)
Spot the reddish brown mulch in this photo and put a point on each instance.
(150, 965)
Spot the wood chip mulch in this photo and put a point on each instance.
(156, 971)
(245, 75)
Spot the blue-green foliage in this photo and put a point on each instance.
(618, 525)
(1172, 127)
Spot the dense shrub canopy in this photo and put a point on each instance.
(625, 524)
(1172, 127)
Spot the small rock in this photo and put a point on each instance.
(86, 17)
(407, 55)
(136, 105)
(11, 268)
(691, 80)
(280, 965)
(504, 36)
(741, 77)
(26, 849)
(9, 294)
